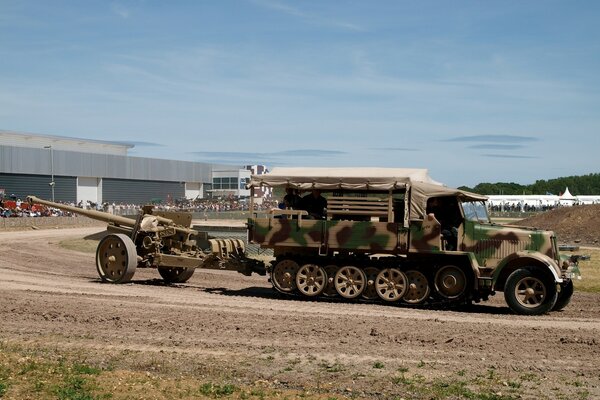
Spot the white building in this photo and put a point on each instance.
(541, 201)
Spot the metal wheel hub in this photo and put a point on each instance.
(530, 292)
(283, 276)
(350, 282)
(418, 286)
(390, 284)
(116, 258)
(450, 281)
(330, 271)
(369, 292)
(311, 280)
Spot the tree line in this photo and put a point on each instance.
(578, 185)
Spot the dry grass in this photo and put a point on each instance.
(81, 245)
(590, 271)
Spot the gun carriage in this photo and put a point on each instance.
(161, 240)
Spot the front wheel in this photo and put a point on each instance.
(530, 292)
(564, 296)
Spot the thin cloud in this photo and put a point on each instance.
(394, 149)
(227, 155)
(507, 156)
(273, 158)
(496, 146)
(493, 139)
(285, 153)
(307, 17)
(308, 153)
(120, 10)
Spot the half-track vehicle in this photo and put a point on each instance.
(395, 235)
(161, 240)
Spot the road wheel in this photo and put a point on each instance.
(564, 296)
(330, 271)
(116, 258)
(418, 287)
(176, 274)
(530, 292)
(350, 282)
(311, 280)
(391, 284)
(450, 282)
(283, 276)
(370, 293)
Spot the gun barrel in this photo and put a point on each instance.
(98, 215)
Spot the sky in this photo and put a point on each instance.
(474, 91)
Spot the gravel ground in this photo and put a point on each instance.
(222, 326)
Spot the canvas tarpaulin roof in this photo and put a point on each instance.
(341, 178)
(421, 191)
(376, 179)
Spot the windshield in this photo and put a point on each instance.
(475, 211)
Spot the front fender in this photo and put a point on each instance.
(526, 258)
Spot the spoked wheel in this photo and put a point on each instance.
(311, 279)
(530, 292)
(330, 271)
(350, 282)
(116, 258)
(176, 274)
(391, 284)
(370, 293)
(418, 287)
(450, 282)
(283, 276)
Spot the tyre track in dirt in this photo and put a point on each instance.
(53, 297)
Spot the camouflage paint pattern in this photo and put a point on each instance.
(487, 247)
(425, 235)
(371, 237)
(492, 243)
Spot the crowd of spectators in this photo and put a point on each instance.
(509, 207)
(16, 208)
(11, 208)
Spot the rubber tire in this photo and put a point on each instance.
(176, 274)
(564, 296)
(509, 292)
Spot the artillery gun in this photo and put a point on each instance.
(162, 240)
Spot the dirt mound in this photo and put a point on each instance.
(577, 224)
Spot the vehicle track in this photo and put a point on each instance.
(53, 297)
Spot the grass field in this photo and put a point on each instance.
(590, 271)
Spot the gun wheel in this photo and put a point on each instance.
(370, 293)
(417, 287)
(283, 276)
(116, 258)
(391, 284)
(330, 271)
(176, 274)
(350, 282)
(450, 281)
(311, 280)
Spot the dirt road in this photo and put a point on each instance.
(225, 327)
